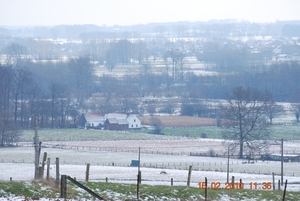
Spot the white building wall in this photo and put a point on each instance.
(133, 122)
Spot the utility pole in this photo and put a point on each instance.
(36, 147)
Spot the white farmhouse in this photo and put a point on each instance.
(133, 122)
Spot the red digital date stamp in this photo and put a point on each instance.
(236, 185)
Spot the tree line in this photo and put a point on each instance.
(26, 88)
(59, 90)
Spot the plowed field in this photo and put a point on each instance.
(178, 121)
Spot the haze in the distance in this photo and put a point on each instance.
(130, 12)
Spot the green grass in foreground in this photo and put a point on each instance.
(117, 191)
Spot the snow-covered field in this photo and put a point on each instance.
(111, 160)
(107, 160)
(152, 176)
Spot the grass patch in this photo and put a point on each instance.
(287, 132)
(194, 132)
(117, 191)
(28, 189)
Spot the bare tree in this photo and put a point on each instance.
(128, 95)
(273, 110)
(54, 88)
(108, 88)
(177, 58)
(181, 62)
(83, 76)
(246, 126)
(22, 78)
(145, 67)
(166, 62)
(157, 125)
(63, 102)
(296, 107)
(6, 83)
(13, 52)
(120, 52)
(140, 51)
(43, 107)
(73, 113)
(33, 92)
(9, 131)
(111, 60)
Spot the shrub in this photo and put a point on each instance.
(203, 135)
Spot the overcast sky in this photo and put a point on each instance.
(128, 12)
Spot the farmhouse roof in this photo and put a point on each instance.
(115, 116)
(93, 117)
(112, 120)
(122, 121)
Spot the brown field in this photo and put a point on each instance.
(178, 121)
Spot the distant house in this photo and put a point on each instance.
(125, 121)
(110, 121)
(91, 120)
(133, 122)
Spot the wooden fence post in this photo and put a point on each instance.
(241, 186)
(140, 177)
(171, 181)
(57, 173)
(63, 187)
(40, 173)
(48, 169)
(43, 165)
(273, 177)
(87, 173)
(205, 193)
(189, 176)
(138, 186)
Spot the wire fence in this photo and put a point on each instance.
(216, 164)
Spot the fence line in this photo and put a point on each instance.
(145, 150)
(200, 166)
